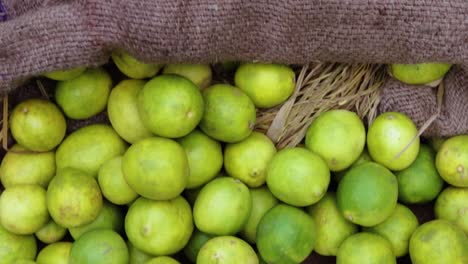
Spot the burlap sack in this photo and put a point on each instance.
(41, 36)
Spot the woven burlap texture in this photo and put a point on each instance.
(41, 36)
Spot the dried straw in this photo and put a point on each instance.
(321, 87)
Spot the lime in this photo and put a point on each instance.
(229, 114)
(268, 85)
(20, 166)
(23, 209)
(13, 247)
(297, 176)
(452, 161)
(56, 253)
(205, 157)
(199, 74)
(73, 198)
(365, 248)
(222, 207)
(156, 168)
(262, 201)
(247, 160)
(420, 182)
(332, 228)
(89, 147)
(132, 67)
(397, 229)
(110, 217)
(286, 234)
(438, 241)
(367, 194)
(170, 106)
(37, 125)
(196, 242)
(122, 109)
(159, 227)
(418, 74)
(99, 246)
(51, 232)
(65, 75)
(227, 250)
(338, 136)
(86, 95)
(113, 185)
(387, 137)
(452, 205)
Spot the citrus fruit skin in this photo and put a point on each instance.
(24, 261)
(14, 247)
(65, 75)
(132, 67)
(162, 260)
(227, 250)
(365, 248)
(99, 246)
(438, 241)
(112, 182)
(56, 253)
(364, 157)
(418, 74)
(420, 182)
(23, 209)
(37, 125)
(205, 157)
(452, 205)
(170, 106)
(20, 166)
(388, 135)
(199, 74)
(110, 217)
(286, 234)
(268, 85)
(156, 168)
(367, 194)
(122, 109)
(397, 229)
(73, 198)
(86, 95)
(331, 226)
(262, 201)
(137, 256)
(297, 176)
(452, 161)
(50, 232)
(229, 114)
(196, 242)
(159, 227)
(338, 136)
(89, 147)
(222, 207)
(247, 160)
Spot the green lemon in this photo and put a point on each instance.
(37, 125)
(247, 160)
(86, 95)
(267, 84)
(338, 136)
(387, 137)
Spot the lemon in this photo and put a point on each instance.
(387, 137)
